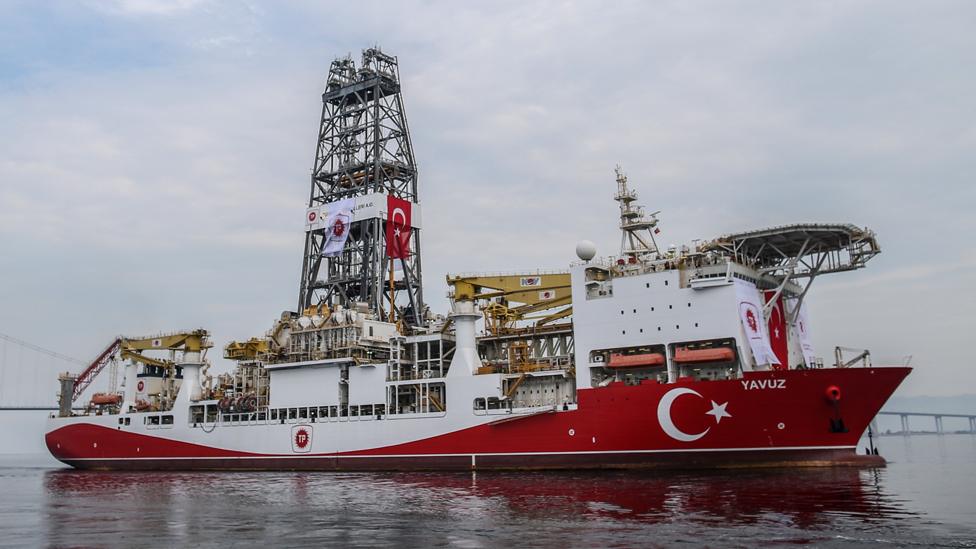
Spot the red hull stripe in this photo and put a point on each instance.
(371, 456)
(631, 460)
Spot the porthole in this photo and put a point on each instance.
(659, 328)
(696, 325)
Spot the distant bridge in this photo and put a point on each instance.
(29, 375)
(939, 429)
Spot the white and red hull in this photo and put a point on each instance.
(765, 419)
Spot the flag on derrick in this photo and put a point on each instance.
(337, 217)
(397, 227)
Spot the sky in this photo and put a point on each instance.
(155, 156)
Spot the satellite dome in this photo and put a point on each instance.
(585, 250)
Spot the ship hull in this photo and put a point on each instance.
(766, 419)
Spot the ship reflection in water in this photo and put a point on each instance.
(472, 510)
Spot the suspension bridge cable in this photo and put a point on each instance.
(48, 352)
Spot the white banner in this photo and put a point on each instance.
(753, 322)
(338, 218)
(365, 207)
(803, 331)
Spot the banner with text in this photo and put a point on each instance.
(750, 313)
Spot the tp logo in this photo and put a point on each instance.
(301, 439)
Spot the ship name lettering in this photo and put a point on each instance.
(749, 384)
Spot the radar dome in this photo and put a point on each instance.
(585, 250)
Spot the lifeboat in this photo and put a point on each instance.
(636, 361)
(694, 356)
(103, 399)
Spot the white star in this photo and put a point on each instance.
(718, 411)
(396, 232)
(776, 335)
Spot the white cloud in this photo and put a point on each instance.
(169, 193)
(145, 7)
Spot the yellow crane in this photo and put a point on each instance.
(510, 298)
(193, 341)
(132, 348)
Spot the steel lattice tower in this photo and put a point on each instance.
(363, 148)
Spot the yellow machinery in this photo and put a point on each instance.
(510, 298)
(194, 341)
(132, 348)
(247, 350)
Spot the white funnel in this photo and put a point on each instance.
(466, 360)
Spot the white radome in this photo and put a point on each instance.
(585, 250)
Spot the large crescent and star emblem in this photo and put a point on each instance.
(667, 423)
(403, 222)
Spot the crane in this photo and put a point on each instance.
(510, 298)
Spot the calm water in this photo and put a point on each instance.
(926, 497)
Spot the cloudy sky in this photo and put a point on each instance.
(155, 156)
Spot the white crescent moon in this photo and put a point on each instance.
(402, 214)
(664, 415)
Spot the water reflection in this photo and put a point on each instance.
(84, 507)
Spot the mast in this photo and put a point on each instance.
(636, 231)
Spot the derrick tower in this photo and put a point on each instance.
(637, 231)
(363, 153)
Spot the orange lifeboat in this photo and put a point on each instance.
(103, 399)
(714, 354)
(636, 361)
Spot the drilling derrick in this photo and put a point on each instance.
(363, 153)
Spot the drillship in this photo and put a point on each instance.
(683, 357)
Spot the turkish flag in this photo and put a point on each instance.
(777, 331)
(397, 227)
